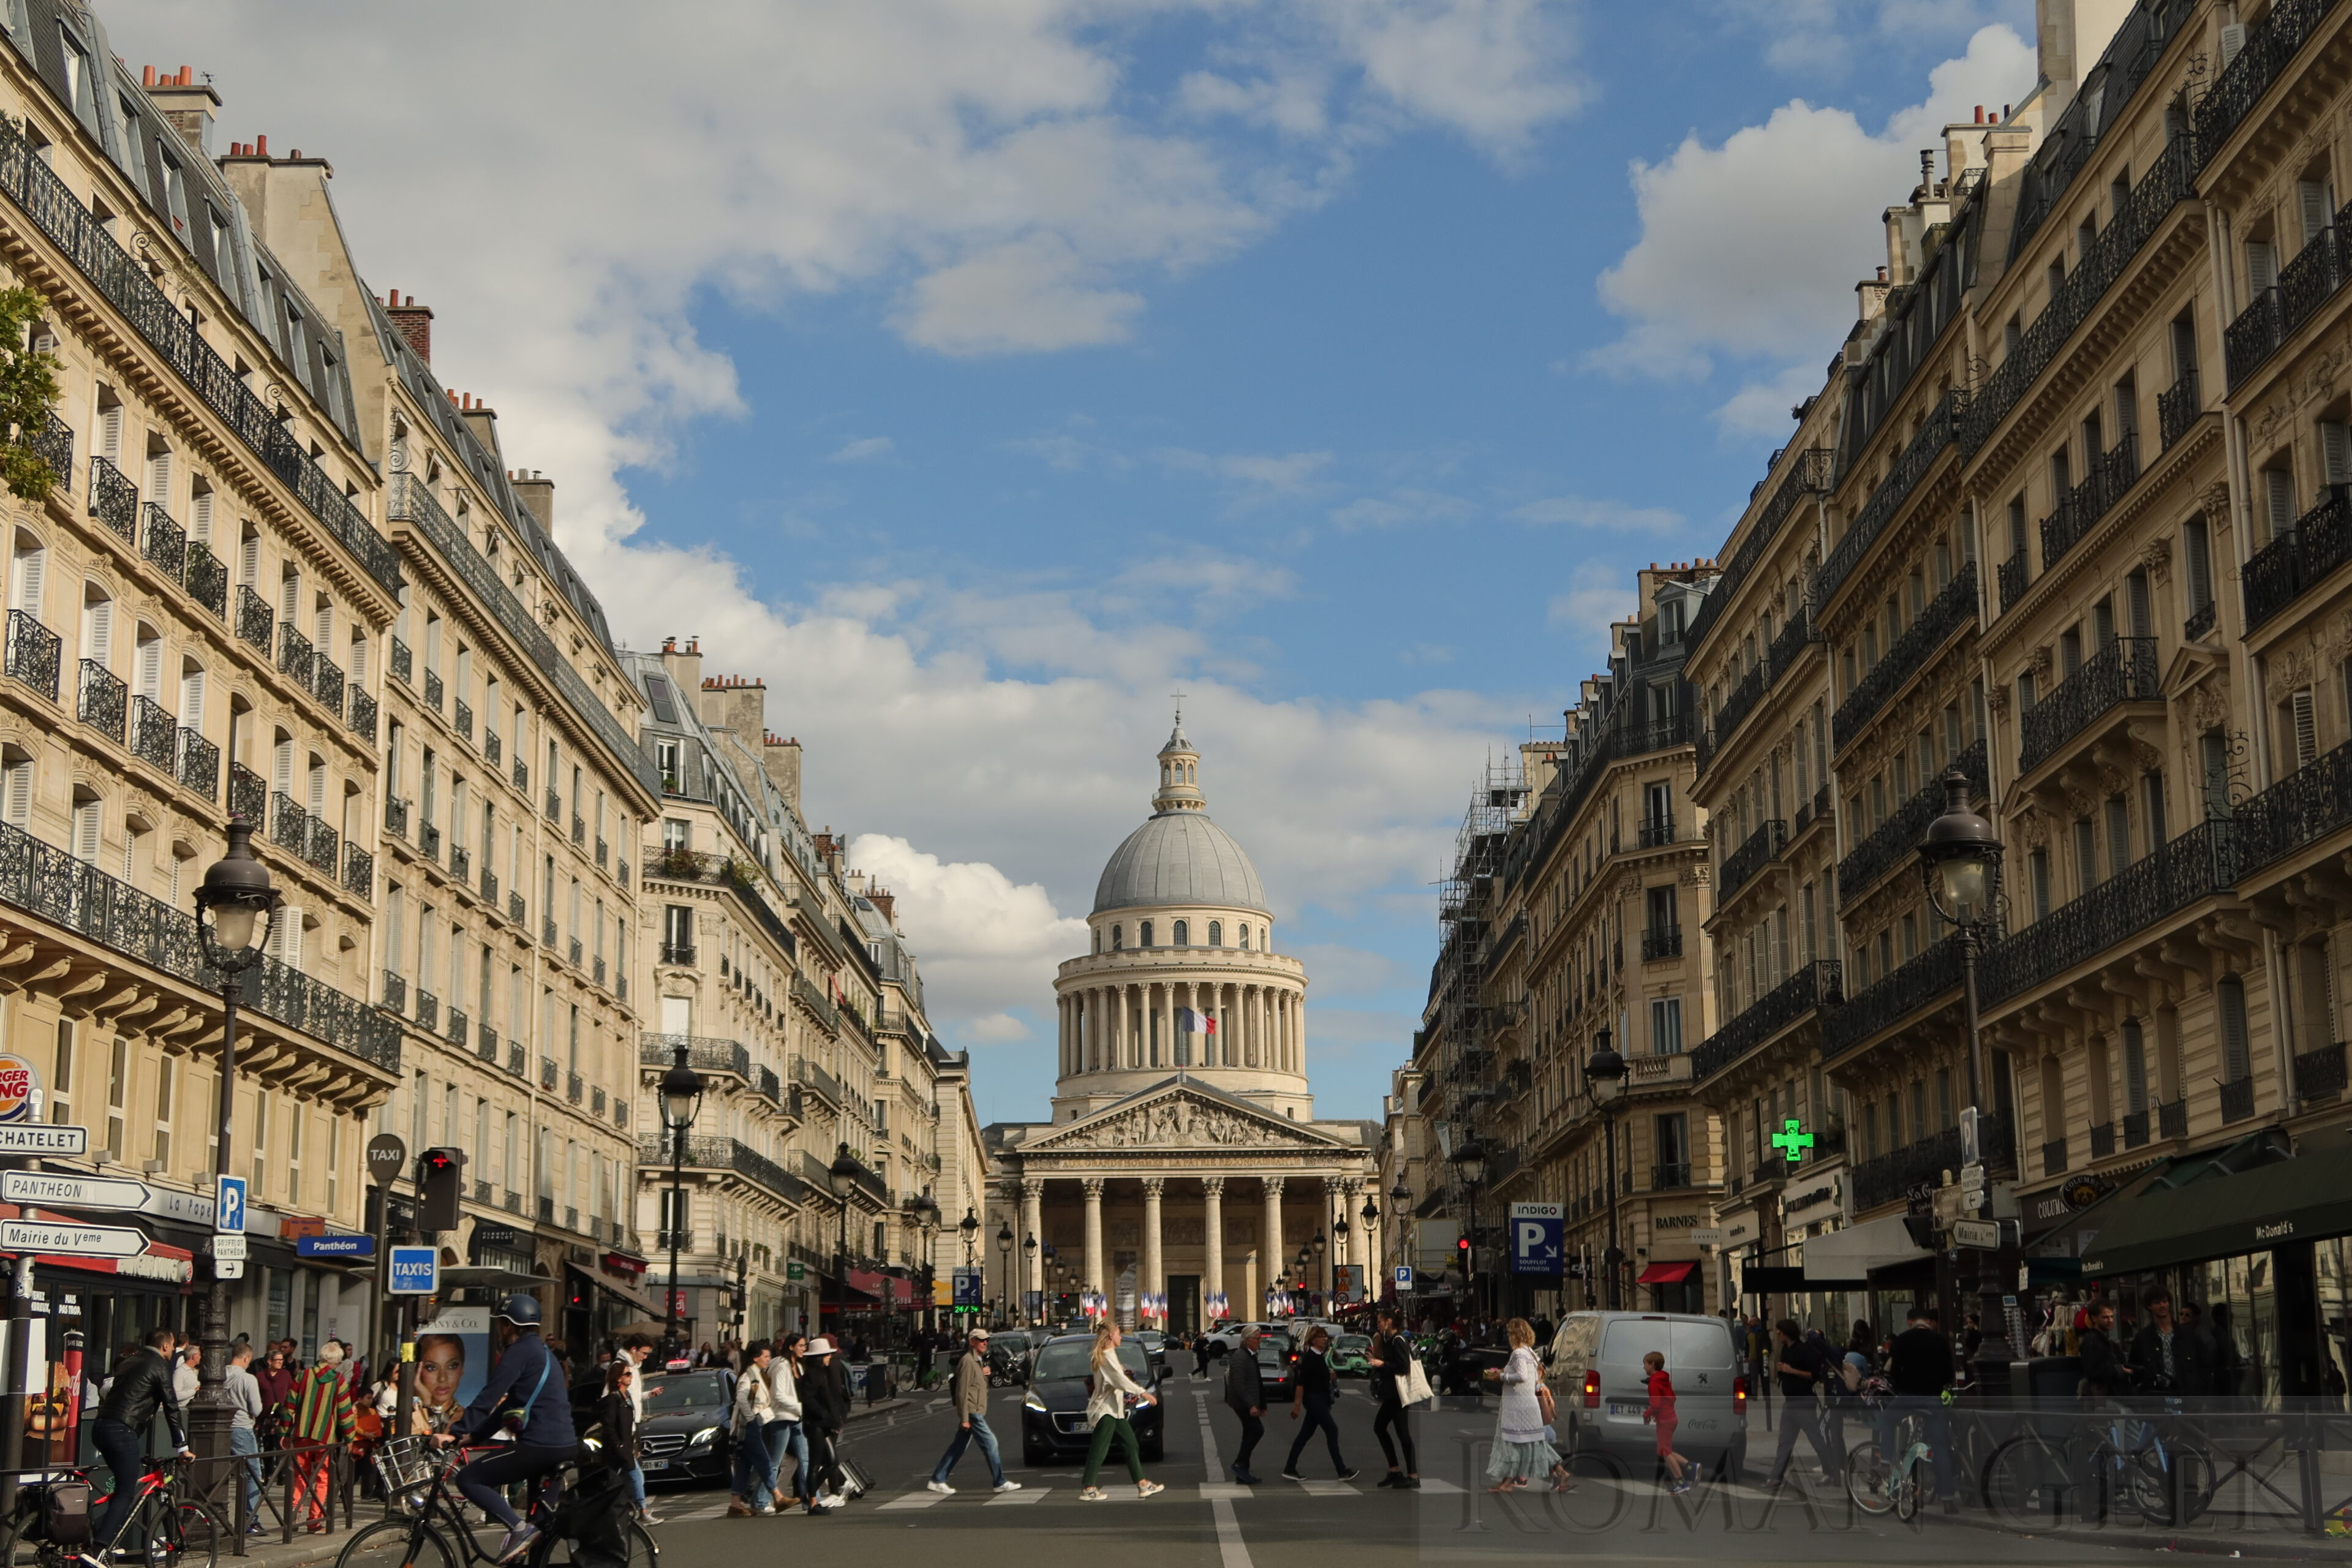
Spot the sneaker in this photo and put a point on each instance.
(765, 1509)
(518, 1542)
(1347, 1475)
(939, 1487)
(1410, 1484)
(1008, 1486)
(646, 1516)
(1149, 1488)
(1292, 1476)
(1091, 1494)
(832, 1501)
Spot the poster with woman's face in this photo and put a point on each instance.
(452, 1359)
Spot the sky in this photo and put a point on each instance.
(983, 374)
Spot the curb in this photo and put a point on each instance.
(2299, 1550)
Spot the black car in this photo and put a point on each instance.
(687, 1433)
(1054, 1424)
(1468, 1369)
(1155, 1347)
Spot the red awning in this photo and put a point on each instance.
(1667, 1273)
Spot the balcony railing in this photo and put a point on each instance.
(2122, 671)
(2112, 472)
(1665, 942)
(1939, 431)
(206, 579)
(428, 840)
(493, 748)
(33, 653)
(547, 931)
(248, 795)
(154, 734)
(2053, 1156)
(53, 443)
(395, 817)
(103, 701)
(462, 720)
(742, 878)
(2265, 53)
(491, 888)
(2015, 575)
(453, 1031)
(2320, 541)
(2200, 863)
(289, 825)
(2299, 810)
(114, 500)
(1811, 472)
(574, 951)
(1895, 843)
(1924, 981)
(522, 775)
(396, 992)
(2103, 1140)
(548, 1074)
(433, 689)
(2237, 1099)
(1885, 1179)
(359, 870)
(461, 863)
(1812, 985)
(256, 623)
(2172, 1120)
(404, 662)
(2319, 1074)
(2177, 407)
(2303, 285)
(1656, 831)
(164, 542)
(554, 805)
(574, 1087)
(1760, 849)
(1954, 607)
(515, 908)
(2135, 1128)
(1668, 1178)
(711, 1152)
(360, 713)
(327, 683)
(200, 763)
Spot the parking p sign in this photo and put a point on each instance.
(1536, 1230)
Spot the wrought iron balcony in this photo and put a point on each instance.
(2122, 671)
(621, 872)
(491, 886)
(461, 863)
(396, 992)
(1656, 831)
(1924, 981)
(359, 870)
(164, 544)
(1812, 985)
(554, 805)
(294, 655)
(574, 1087)
(2112, 472)
(33, 653)
(2172, 1120)
(289, 825)
(2016, 576)
(200, 763)
(2319, 1074)
(1811, 472)
(596, 970)
(114, 500)
(53, 443)
(1893, 844)
(433, 689)
(2103, 1140)
(2268, 47)
(103, 701)
(403, 663)
(206, 578)
(515, 911)
(602, 851)
(1809, 811)
(486, 1044)
(522, 775)
(1755, 852)
(1882, 1180)
(1954, 607)
(154, 734)
(2135, 1130)
(2199, 622)
(1665, 942)
(463, 719)
(454, 1030)
(2308, 805)
(2053, 1156)
(395, 817)
(2200, 864)
(2305, 283)
(248, 795)
(493, 748)
(1737, 704)
(2320, 541)
(579, 828)
(1942, 426)
(327, 683)
(548, 1075)
(547, 930)
(575, 953)
(2237, 1099)
(2177, 407)
(360, 713)
(518, 1061)
(1668, 1178)
(256, 623)
(319, 848)
(428, 841)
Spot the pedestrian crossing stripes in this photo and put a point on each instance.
(986, 1499)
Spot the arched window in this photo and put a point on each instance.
(96, 626)
(1216, 933)
(1097, 938)
(27, 568)
(1118, 938)
(1183, 934)
(1143, 934)
(1246, 937)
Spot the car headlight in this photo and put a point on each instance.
(707, 1434)
(1033, 1402)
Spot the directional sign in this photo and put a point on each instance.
(55, 1236)
(1982, 1233)
(228, 1205)
(795, 1270)
(43, 1138)
(230, 1246)
(335, 1246)
(1535, 1235)
(228, 1268)
(72, 1192)
(416, 1270)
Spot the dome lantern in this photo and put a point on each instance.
(1180, 774)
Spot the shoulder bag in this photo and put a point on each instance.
(514, 1418)
(1416, 1383)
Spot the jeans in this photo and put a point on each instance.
(1394, 1415)
(1798, 1413)
(755, 1473)
(1252, 1429)
(1106, 1428)
(787, 1437)
(1937, 1420)
(976, 1429)
(126, 1456)
(484, 1480)
(245, 1440)
(637, 1484)
(1318, 1414)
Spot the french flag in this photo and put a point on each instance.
(1192, 1021)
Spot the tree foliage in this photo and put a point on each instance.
(28, 395)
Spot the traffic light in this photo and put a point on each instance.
(440, 1184)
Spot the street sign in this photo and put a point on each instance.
(1969, 1148)
(1404, 1276)
(56, 1236)
(228, 1205)
(1535, 1235)
(1948, 1205)
(967, 1287)
(1982, 1233)
(72, 1192)
(1972, 1177)
(333, 1246)
(228, 1268)
(415, 1271)
(1919, 1199)
(43, 1138)
(230, 1246)
(387, 1159)
(795, 1270)
(1708, 1236)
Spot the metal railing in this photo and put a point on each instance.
(1812, 985)
(256, 623)
(32, 653)
(2177, 407)
(1939, 431)
(433, 689)
(2122, 671)
(102, 700)
(428, 1011)
(361, 714)
(2015, 575)
(2112, 473)
(1757, 850)
(206, 578)
(154, 734)
(248, 795)
(1895, 842)
(1925, 982)
(200, 762)
(359, 870)
(1811, 472)
(1884, 1179)
(1662, 944)
(327, 682)
(2053, 1156)
(1656, 832)
(2200, 863)
(2320, 541)
(2237, 1099)
(2319, 1074)
(404, 662)
(114, 500)
(164, 544)
(1952, 607)
(2267, 49)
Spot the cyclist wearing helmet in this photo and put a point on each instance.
(525, 1401)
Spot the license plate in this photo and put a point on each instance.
(1626, 1407)
(653, 1464)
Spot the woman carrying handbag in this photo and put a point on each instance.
(1398, 1383)
(1523, 1426)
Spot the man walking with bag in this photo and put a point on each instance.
(1245, 1392)
(970, 1391)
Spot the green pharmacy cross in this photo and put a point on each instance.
(1792, 1140)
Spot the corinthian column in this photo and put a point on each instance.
(1091, 1272)
(1269, 1243)
(1153, 1281)
(1033, 1192)
(1212, 1233)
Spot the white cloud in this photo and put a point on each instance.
(1402, 509)
(1762, 408)
(1597, 598)
(865, 450)
(1750, 248)
(985, 943)
(1285, 474)
(1583, 512)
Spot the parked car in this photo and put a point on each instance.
(1351, 1356)
(1222, 1341)
(688, 1434)
(1054, 1424)
(1600, 1387)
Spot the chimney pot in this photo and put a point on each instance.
(1980, 114)
(261, 145)
(187, 76)
(147, 76)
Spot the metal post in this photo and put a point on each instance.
(211, 1413)
(12, 1398)
(1609, 1261)
(677, 1210)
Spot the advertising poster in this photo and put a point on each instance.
(452, 1362)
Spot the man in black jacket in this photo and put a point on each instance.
(1245, 1392)
(2169, 1357)
(2105, 1374)
(141, 1387)
(1800, 1370)
(1919, 1369)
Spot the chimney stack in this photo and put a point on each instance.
(886, 902)
(415, 321)
(685, 666)
(537, 497)
(780, 756)
(189, 105)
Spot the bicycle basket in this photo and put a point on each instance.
(405, 1463)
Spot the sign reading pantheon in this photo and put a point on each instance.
(1183, 1162)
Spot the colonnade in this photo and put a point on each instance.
(1105, 1029)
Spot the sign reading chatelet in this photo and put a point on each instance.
(42, 1138)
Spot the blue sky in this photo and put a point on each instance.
(980, 374)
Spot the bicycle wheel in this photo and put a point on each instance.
(1867, 1474)
(1907, 1485)
(555, 1551)
(194, 1536)
(410, 1543)
(2026, 1482)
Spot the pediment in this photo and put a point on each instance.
(1181, 1116)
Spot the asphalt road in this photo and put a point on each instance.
(1203, 1521)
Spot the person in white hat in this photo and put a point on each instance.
(825, 1410)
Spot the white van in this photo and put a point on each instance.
(1600, 1388)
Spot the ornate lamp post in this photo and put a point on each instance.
(1401, 1206)
(235, 908)
(681, 1099)
(926, 1210)
(1028, 1266)
(1371, 1215)
(1338, 1248)
(1005, 1272)
(842, 1177)
(1320, 1272)
(1959, 861)
(1470, 1165)
(1604, 1074)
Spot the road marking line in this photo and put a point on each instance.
(1025, 1495)
(1225, 1491)
(912, 1499)
(1231, 1549)
(1327, 1488)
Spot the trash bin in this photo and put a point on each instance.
(878, 1383)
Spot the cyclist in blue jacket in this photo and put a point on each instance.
(526, 1408)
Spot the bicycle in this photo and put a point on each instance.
(2032, 1478)
(165, 1527)
(417, 1483)
(1879, 1484)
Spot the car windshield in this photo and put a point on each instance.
(1275, 1348)
(1072, 1358)
(684, 1391)
(1352, 1342)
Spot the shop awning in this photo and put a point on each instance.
(1667, 1273)
(2213, 1210)
(635, 1300)
(1843, 1259)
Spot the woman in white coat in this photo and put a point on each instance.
(1107, 1408)
(1523, 1448)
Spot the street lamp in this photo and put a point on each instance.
(842, 1177)
(1338, 1246)
(926, 1210)
(1604, 1074)
(1401, 1204)
(1959, 861)
(1321, 1271)
(236, 906)
(1028, 1265)
(681, 1102)
(1470, 1166)
(1005, 1272)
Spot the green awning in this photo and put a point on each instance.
(2222, 1213)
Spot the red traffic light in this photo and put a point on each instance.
(1463, 1244)
(439, 1160)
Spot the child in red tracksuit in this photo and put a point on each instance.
(1661, 1413)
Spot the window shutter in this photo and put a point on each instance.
(151, 667)
(289, 596)
(200, 517)
(109, 435)
(2143, 619)
(19, 803)
(2195, 547)
(2261, 267)
(192, 699)
(31, 572)
(2278, 491)
(2233, 39)
(2336, 451)
(2312, 200)
(2307, 731)
(86, 823)
(2237, 1063)
(98, 634)
(282, 768)
(249, 560)
(159, 478)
